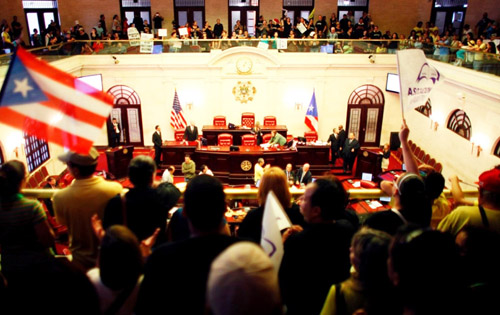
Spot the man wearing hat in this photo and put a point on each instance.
(77, 203)
(486, 214)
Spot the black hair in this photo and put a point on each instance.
(12, 174)
(141, 170)
(434, 185)
(331, 197)
(205, 202)
(169, 195)
(120, 258)
(415, 205)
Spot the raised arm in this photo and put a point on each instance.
(408, 157)
(457, 193)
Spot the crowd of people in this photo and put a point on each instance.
(126, 259)
(303, 35)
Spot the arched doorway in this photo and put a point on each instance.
(365, 110)
(127, 110)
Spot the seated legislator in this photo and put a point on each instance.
(303, 176)
(277, 138)
(191, 132)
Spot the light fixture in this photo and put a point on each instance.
(298, 105)
(478, 141)
(189, 105)
(116, 60)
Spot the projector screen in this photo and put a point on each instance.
(94, 80)
(392, 83)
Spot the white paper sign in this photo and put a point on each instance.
(146, 43)
(133, 36)
(183, 31)
(282, 43)
(162, 32)
(263, 45)
(301, 28)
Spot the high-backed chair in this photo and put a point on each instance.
(266, 138)
(432, 162)
(438, 167)
(220, 121)
(311, 136)
(426, 158)
(225, 140)
(248, 120)
(420, 155)
(289, 137)
(269, 121)
(179, 134)
(248, 140)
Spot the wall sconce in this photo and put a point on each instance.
(189, 105)
(298, 106)
(478, 141)
(477, 147)
(116, 60)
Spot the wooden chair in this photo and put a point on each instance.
(438, 167)
(416, 151)
(269, 121)
(248, 120)
(179, 134)
(225, 140)
(311, 136)
(45, 173)
(248, 140)
(266, 138)
(426, 158)
(220, 121)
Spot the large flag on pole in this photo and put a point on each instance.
(177, 120)
(417, 78)
(273, 221)
(51, 104)
(312, 114)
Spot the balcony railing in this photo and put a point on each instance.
(460, 56)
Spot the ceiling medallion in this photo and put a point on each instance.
(244, 91)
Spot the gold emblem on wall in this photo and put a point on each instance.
(246, 165)
(244, 91)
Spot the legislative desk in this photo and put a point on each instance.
(118, 160)
(211, 132)
(237, 167)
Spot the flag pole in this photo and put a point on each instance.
(400, 90)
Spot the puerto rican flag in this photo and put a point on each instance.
(51, 104)
(311, 120)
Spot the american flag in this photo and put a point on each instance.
(177, 120)
(311, 120)
(52, 105)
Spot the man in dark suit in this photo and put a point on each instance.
(157, 141)
(114, 133)
(290, 174)
(351, 147)
(191, 132)
(334, 145)
(303, 176)
(342, 137)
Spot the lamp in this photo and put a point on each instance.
(189, 105)
(298, 105)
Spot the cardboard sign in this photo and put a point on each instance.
(133, 36)
(146, 43)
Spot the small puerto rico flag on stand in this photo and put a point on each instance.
(312, 114)
(51, 104)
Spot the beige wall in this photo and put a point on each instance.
(216, 9)
(271, 9)
(476, 9)
(166, 9)
(399, 16)
(87, 13)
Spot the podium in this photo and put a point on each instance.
(369, 161)
(118, 160)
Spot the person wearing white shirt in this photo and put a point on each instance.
(168, 175)
(205, 170)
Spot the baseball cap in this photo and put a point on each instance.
(80, 159)
(490, 180)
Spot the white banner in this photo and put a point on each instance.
(273, 221)
(146, 43)
(417, 78)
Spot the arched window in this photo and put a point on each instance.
(364, 114)
(496, 152)
(426, 109)
(459, 122)
(127, 111)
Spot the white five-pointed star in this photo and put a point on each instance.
(22, 87)
(311, 108)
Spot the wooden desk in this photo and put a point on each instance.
(369, 161)
(211, 132)
(118, 160)
(237, 167)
